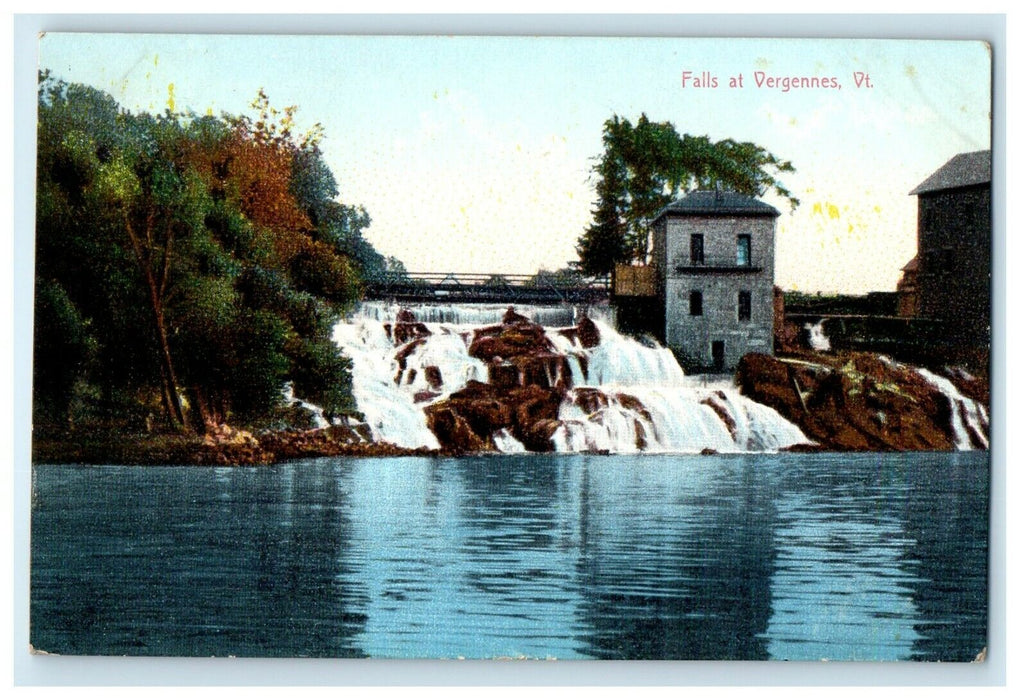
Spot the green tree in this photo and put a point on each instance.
(646, 166)
(185, 256)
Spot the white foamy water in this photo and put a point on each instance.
(818, 339)
(969, 417)
(478, 315)
(648, 404)
(316, 412)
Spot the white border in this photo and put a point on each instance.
(90, 671)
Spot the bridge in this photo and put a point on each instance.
(464, 288)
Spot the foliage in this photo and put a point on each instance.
(188, 264)
(564, 277)
(646, 166)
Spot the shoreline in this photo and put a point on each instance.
(284, 446)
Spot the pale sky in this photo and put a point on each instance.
(475, 154)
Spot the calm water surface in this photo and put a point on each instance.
(722, 557)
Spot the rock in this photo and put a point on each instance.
(453, 431)
(633, 404)
(590, 400)
(544, 369)
(403, 354)
(405, 332)
(852, 401)
(503, 374)
(538, 437)
(721, 410)
(640, 440)
(509, 341)
(588, 332)
(433, 375)
(484, 409)
(512, 316)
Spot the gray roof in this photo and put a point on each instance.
(719, 203)
(963, 170)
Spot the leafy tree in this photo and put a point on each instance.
(63, 350)
(646, 166)
(193, 263)
(564, 277)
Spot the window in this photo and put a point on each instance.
(698, 257)
(744, 306)
(743, 256)
(695, 303)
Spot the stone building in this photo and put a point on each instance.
(953, 278)
(713, 259)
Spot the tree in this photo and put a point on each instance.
(186, 257)
(646, 166)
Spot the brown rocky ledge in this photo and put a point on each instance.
(527, 382)
(857, 401)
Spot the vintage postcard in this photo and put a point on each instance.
(482, 347)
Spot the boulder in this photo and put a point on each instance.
(852, 401)
(585, 332)
(433, 375)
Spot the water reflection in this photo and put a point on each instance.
(950, 526)
(476, 570)
(193, 562)
(723, 557)
(842, 582)
(699, 590)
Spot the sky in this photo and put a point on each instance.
(475, 154)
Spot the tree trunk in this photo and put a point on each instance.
(167, 367)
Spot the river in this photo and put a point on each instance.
(570, 556)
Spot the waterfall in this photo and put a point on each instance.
(969, 417)
(470, 316)
(625, 395)
(391, 392)
(631, 397)
(317, 414)
(818, 339)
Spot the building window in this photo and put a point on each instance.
(744, 306)
(695, 303)
(698, 257)
(743, 257)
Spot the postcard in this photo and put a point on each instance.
(483, 347)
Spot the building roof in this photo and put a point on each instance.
(963, 170)
(719, 203)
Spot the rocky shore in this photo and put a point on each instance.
(864, 402)
(841, 401)
(225, 446)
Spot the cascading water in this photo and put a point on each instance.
(818, 339)
(471, 316)
(631, 397)
(317, 416)
(969, 418)
(625, 396)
